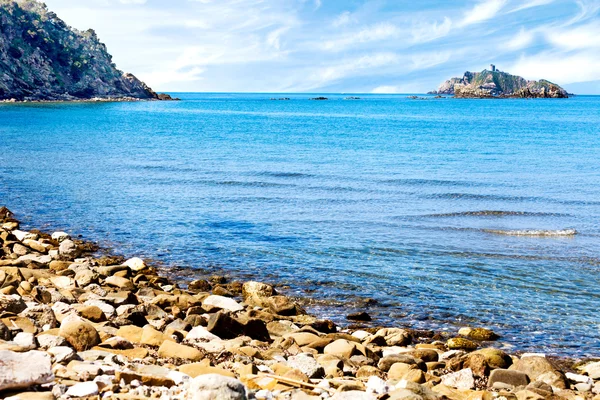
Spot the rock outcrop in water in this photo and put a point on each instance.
(41, 58)
(498, 84)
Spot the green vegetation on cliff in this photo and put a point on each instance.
(41, 58)
(499, 84)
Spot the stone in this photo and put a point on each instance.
(152, 337)
(42, 316)
(367, 371)
(60, 236)
(399, 370)
(58, 266)
(507, 379)
(495, 358)
(386, 362)
(354, 395)
(119, 282)
(341, 347)
(395, 336)
(80, 334)
(539, 368)
(222, 303)
(461, 344)
(224, 326)
(12, 303)
(108, 310)
(203, 368)
(307, 365)
(91, 313)
(62, 354)
(25, 340)
(23, 370)
(32, 396)
(200, 285)
(85, 277)
(257, 293)
(302, 338)
(135, 264)
(359, 316)
(481, 334)
(63, 282)
(200, 333)
(282, 305)
(68, 250)
(170, 349)
(19, 249)
(216, 387)
(592, 369)
(462, 379)
(83, 389)
(145, 379)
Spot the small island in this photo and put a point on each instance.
(498, 84)
(44, 59)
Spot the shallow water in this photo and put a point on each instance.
(404, 201)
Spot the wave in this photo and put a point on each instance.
(534, 232)
(284, 174)
(496, 213)
(434, 182)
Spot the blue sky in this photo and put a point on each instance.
(361, 46)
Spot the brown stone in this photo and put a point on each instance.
(170, 349)
(80, 334)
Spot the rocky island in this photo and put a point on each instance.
(497, 84)
(43, 59)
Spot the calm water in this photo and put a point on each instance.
(385, 197)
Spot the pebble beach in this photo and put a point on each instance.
(77, 325)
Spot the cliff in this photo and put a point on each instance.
(41, 58)
(490, 84)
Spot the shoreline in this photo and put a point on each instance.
(97, 324)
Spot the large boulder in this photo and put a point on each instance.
(68, 250)
(12, 303)
(539, 368)
(216, 387)
(24, 370)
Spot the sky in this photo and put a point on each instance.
(351, 46)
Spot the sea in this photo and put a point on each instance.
(429, 213)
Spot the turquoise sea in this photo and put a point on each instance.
(431, 207)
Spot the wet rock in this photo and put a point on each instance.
(135, 264)
(395, 336)
(359, 316)
(80, 334)
(461, 344)
(282, 305)
(23, 370)
(507, 379)
(60, 236)
(481, 334)
(200, 285)
(213, 387)
(119, 282)
(494, 358)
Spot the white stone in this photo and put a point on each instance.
(216, 387)
(83, 389)
(592, 369)
(135, 264)
(25, 340)
(63, 282)
(178, 377)
(263, 395)
(62, 354)
(60, 236)
(68, 249)
(200, 333)
(48, 341)
(578, 378)
(361, 335)
(224, 303)
(22, 370)
(462, 379)
(393, 350)
(524, 355)
(353, 395)
(20, 235)
(450, 354)
(377, 385)
(307, 365)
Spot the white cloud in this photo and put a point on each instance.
(558, 67)
(520, 41)
(581, 37)
(133, 1)
(398, 89)
(342, 19)
(523, 5)
(427, 32)
(483, 11)
(373, 33)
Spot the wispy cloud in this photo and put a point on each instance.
(483, 11)
(373, 33)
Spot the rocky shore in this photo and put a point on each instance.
(74, 324)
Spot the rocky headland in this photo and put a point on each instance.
(497, 84)
(43, 59)
(79, 323)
